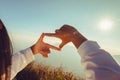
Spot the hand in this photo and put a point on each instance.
(68, 34)
(43, 48)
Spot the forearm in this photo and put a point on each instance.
(20, 60)
(99, 64)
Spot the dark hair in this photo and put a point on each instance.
(5, 53)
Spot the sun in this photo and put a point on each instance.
(106, 24)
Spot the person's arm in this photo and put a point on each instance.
(99, 64)
(20, 60)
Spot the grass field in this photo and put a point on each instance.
(38, 71)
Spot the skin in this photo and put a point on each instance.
(3, 76)
(68, 34)
(42, 48)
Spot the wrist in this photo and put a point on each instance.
(34, 49)
(77, 39)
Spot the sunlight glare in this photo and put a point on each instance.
(106, 24)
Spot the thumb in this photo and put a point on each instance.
(45, 55)
(61, 45)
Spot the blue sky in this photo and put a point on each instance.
(27, 19)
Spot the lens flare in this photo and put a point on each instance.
(106, 24)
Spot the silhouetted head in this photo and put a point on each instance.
(5, 53)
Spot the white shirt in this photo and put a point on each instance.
(20, 60)
(99, 64)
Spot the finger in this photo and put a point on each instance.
(61, 45)
(45, 55)
(53, 47)
(57, 35)
(51, 34)
(42, 36)
(45, 50)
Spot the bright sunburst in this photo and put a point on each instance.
(106, 24)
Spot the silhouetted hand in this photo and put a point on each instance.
(68, 34)
(42, 48)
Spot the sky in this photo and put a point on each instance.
(26, 20)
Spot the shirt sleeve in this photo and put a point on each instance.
(20, 60)
(99, 64)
